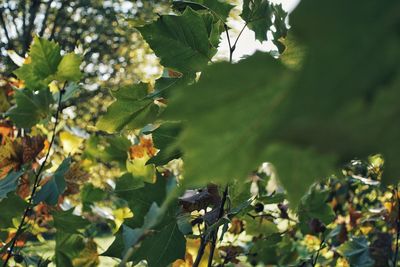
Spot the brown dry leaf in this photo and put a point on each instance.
(237, 226)
(200, 199)
(74, 178)
(15, 153)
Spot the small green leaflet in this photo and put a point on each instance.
(132, 109)
(6, 213)
(258, 15)
(51, 191)
(168, 243)
(182, 42)
(68, 247)
(219, 8)
(68, 222)
(357, 252)
(9, 183)
(140, 199)
(68, 69)
(314, 206)
(30, 107)
(46, 64)
(164, 138)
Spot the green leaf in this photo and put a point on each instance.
(265, 250)
(164, 138)
(9, 183)
(68, 69)
(258, 15)
(226, 142)
(55, 187)
(168, 244)
(68, 247)
(357, 252)
(298, 168)
(6, 213)
(31, 107)
(131, 110)
(314, 206)
(181, 42)
(68, 222)
(141, 199)
(45, 57)
(220, 8)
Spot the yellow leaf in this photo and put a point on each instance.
(70, 142)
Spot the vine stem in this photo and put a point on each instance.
(35, 183)
(215, 233)
(396, 191)
(314, 260)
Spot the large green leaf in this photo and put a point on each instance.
(241, 100)
(30, 108)
(182, 42)
(51, 191)
(357, 252)
(132, 109)
(9, 183)
(260, 15)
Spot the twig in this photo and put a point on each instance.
(215, 233)
(321, 245)
(229, 43)
(35, 183)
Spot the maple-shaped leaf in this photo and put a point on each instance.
(45, 64)
(182, 42)
(44, 57)
(30, 108)
(260, 15)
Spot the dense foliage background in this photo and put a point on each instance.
(127, 138)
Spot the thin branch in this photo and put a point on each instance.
(3, 25)
(200, 252)
(57, 18)
(35, 183)
(215, 233)
(237, 38)
(33, 9)
(46, 16)
(229, 43)
(314, 260)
